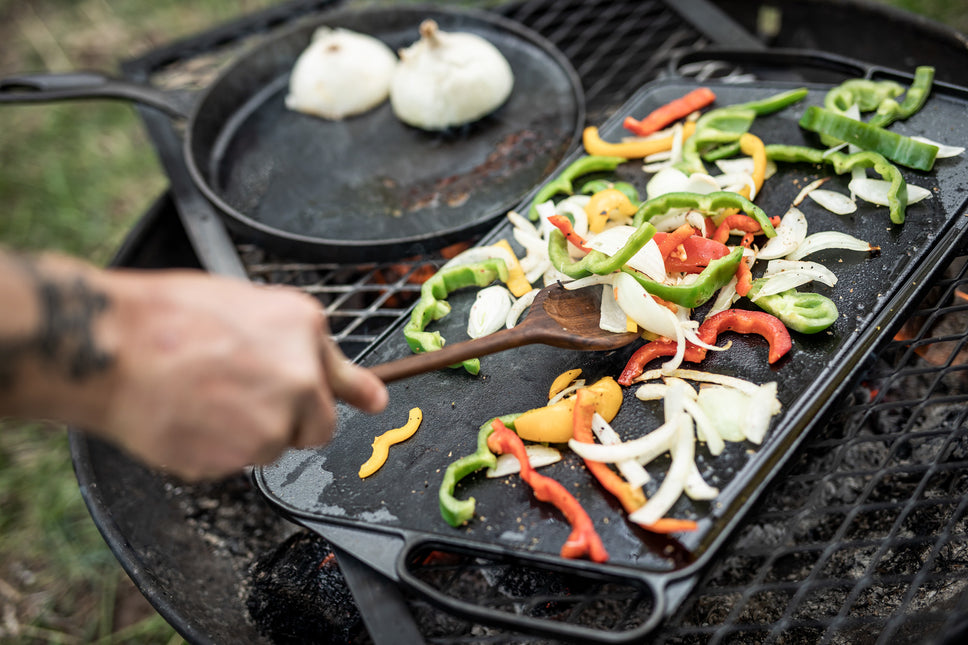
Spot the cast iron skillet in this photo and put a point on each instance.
(368, 187)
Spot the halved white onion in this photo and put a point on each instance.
(835, 202)
(489, 311)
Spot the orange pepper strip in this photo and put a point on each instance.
(583, 540)
(564, 225)
(381, 445)
(595, 145)
(629, 497)
(667, 525)
(738, 222)
(744, 277)
(670, 112)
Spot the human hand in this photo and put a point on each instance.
(214, 374)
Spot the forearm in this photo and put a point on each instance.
(56, 359)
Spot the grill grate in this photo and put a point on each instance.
(862, 539)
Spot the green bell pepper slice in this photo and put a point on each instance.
(707, 283)
(433, 305)
(802, 311)
(595, 261)
(842, 163)
(710, 204)
(457, 511)
(564, 182)
(896, 147)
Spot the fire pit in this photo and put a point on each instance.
(862, 538)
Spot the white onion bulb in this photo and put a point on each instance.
(447, 79)
(340, 74)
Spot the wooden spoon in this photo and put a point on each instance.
(558, 317)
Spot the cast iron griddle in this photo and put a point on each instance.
(399, 502)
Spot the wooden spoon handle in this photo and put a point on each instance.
(451, 354)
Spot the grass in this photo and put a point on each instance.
(74, 178)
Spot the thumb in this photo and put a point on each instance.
(351, 383)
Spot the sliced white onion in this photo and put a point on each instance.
(539, 455)
(696, 487)
(944, 151)
(819, 272)
(828, 240)
(727, 408)
(790, 232)
(725, 298)
(706, 430)
(674, 483)
(653, 444)
(575, 207)
(763, 405)
(702, 377)
(568, 391)
(673, 180)
(519, 221)
(479, 254)
(640, 307)
(835, 202)
(611, 317)
(634, 473)
(522, 303)
(875, 191)
(781, 275)
(587, 281)
(540, 268)
(648, 259)
(489, 311)
(809, 188)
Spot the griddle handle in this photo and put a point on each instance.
(44, 88)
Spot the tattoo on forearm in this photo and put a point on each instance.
(64, 340)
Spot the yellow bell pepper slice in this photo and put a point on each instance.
(553, 423)
(605, 204)
(634, 149)
(381, 445)
(518, 285)
(562, 381)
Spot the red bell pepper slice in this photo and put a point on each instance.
(670, 112)
(583, 540)
(740, 321)
(698, 252)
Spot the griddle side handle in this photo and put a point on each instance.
(537, 626)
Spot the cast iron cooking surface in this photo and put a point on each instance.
(370, 179)
(401, 498)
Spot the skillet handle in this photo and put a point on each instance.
(40, 88)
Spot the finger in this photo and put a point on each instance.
(351, 383)
(315, 418)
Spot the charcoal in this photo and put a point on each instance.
(298, 595)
